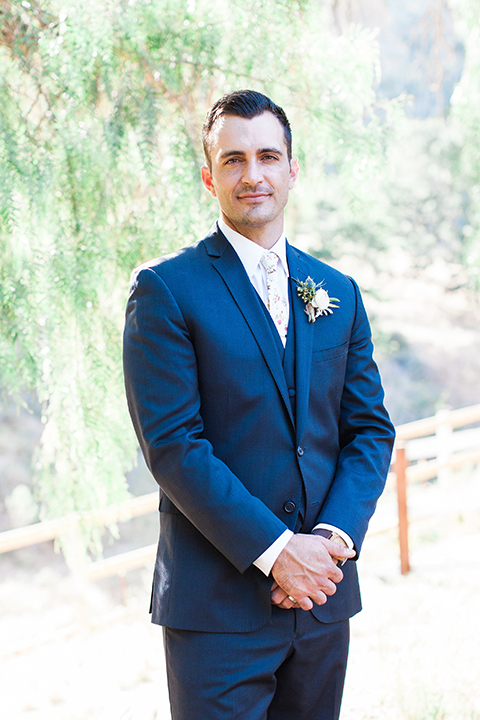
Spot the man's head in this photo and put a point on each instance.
(244, 104)
(250, 169)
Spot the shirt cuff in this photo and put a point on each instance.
(343, 535)
(267, 558)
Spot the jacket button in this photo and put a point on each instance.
(289, 506)
(291, 392)
(300, 451)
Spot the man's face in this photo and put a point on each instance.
(250, 174)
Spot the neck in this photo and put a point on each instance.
(265, 236)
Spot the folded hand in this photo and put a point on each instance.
(306, 570)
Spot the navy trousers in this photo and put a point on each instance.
(293, 668)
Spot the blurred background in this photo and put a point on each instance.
(101, 106)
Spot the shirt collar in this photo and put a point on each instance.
(249, 252)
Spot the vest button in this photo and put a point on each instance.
(300, 451)
(291, 392)
(289, 506)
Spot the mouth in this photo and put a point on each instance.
(253, 197)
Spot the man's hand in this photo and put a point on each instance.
(306, 570)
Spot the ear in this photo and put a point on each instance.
(294, 170)
(207, 180)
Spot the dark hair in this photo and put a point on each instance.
(246, 104)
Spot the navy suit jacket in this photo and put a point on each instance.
(210, 405)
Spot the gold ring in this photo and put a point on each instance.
(292, 599)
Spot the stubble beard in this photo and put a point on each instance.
(258, 215)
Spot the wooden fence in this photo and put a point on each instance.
(405, 469)
(448, 457)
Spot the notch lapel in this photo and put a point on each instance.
(227, 263)
(298, 269)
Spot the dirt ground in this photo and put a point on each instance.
(415, 647)
(72, 651)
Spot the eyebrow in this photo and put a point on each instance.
(230, 153)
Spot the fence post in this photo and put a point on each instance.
(400, 471)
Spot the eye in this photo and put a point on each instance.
(270, 157)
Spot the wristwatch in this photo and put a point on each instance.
(333, 537)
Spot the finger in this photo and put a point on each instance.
(278, 595)
(281, 599)
(340, 561)
(305, 603)
(328, 588)
(319, 598)
(344, 552)
(339, 551)
(336, 550)
(286, 604)
(335, 574)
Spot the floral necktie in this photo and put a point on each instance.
(275, 302)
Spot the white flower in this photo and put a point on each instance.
(317, 300)
(321, 301)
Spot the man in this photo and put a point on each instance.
(259, 410)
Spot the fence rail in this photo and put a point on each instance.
(51, 529)
(402, 472)
(428, 426)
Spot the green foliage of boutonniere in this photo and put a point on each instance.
(317, 300)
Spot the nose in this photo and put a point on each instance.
(252, 173)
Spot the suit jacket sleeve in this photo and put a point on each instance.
(366, 438)
(164, 402)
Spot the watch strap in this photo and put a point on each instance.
(333, 537)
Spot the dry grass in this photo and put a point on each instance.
(414, 652)
(415, 647)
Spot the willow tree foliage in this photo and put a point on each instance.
(101, 105)
(465, 131)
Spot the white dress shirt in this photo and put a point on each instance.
(250, 255)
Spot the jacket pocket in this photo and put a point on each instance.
(330, 353)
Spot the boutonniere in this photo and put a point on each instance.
(318, 302)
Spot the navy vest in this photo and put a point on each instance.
(287, 353)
